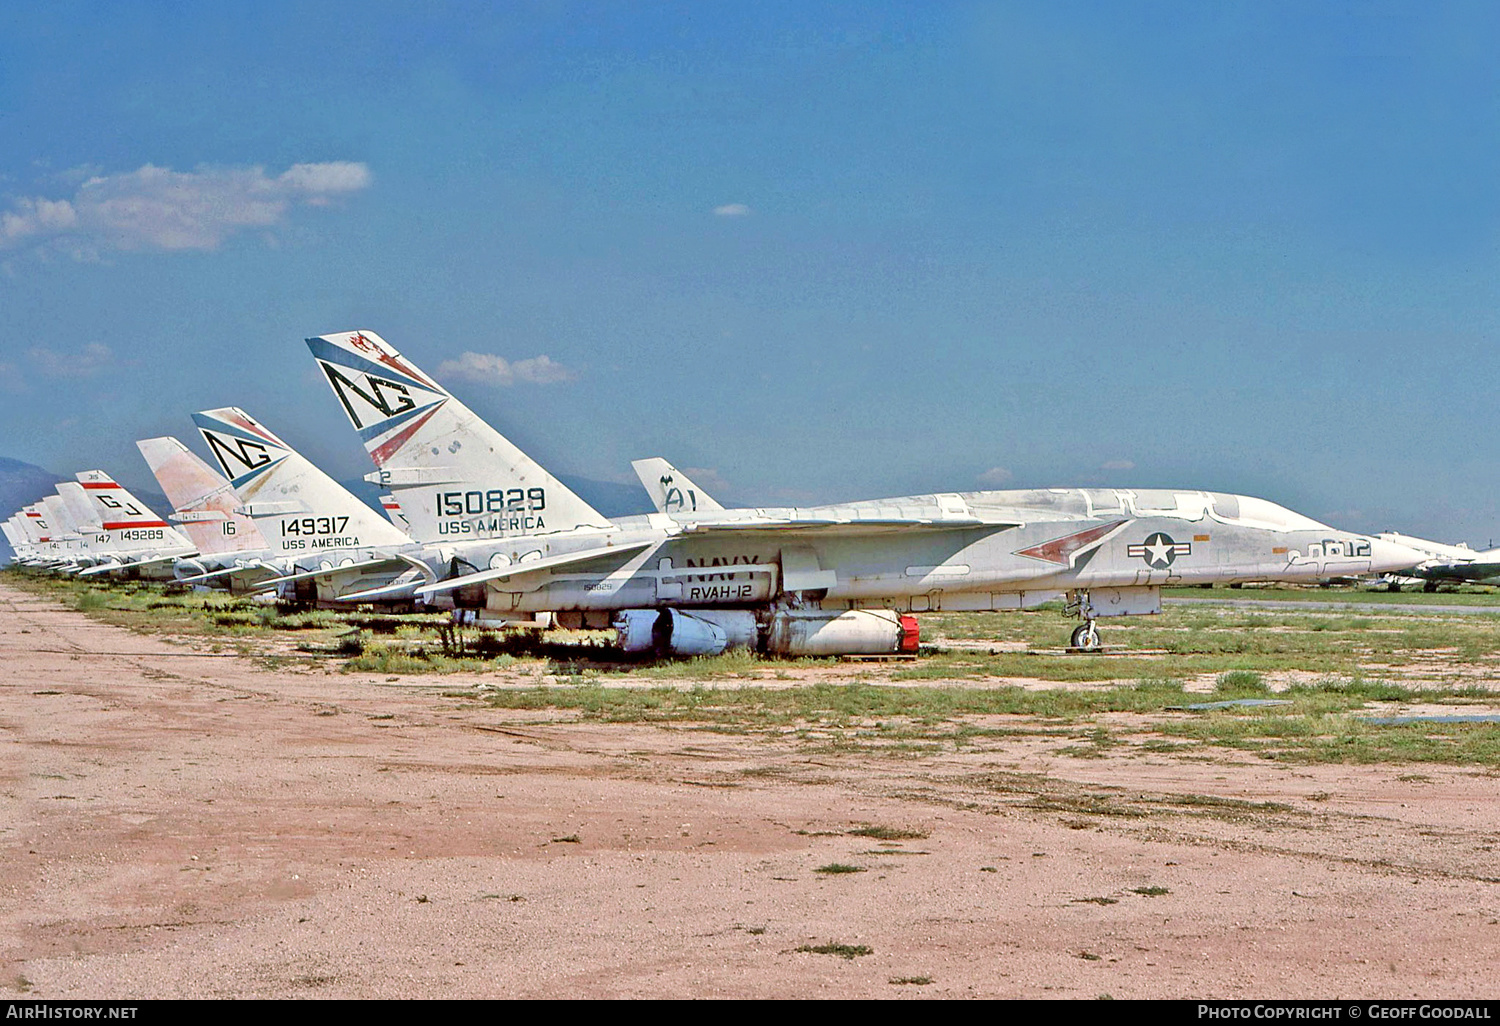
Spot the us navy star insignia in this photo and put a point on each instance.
(1159, 550)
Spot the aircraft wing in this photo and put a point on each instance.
(393, 562)
(228, 570)
(132, 564)
(404, 587)
(1460, 571)
(847, 525)
(531, 566)
(399, 590)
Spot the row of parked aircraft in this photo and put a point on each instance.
(475, 525)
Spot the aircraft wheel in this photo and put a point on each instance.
(1086, 637)
(1429, 586)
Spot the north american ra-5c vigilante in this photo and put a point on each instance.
(502, 537)
(1445, 564)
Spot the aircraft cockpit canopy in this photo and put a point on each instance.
(1253, 512)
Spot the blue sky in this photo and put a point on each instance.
(815, 251)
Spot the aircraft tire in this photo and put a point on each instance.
(1086, 637)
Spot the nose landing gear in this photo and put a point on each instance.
(1085, 637)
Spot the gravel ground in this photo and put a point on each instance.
(182, 824)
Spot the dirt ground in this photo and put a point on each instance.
(178, 823)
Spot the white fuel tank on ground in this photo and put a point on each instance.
(682, 633)
(855, 632)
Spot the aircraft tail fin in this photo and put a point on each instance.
(68, 534)
(394, 513)
(670, 489)
(132, 522)
(61, 516)
(203, 501)
(34, 523)
(302, 510)
(80, 508)
(454, 476)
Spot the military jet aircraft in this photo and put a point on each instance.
(232, 553)
(321, 540)
(96, 526)
(510, 538)
(30, 522)
(1446, 564)
(20, 548)
(132, 539)
(67, 538)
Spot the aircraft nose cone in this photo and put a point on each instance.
(1387, 556)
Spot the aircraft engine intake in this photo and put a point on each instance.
(184, 568)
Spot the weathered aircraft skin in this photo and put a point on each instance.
(671, 490)
(493, 518)
(95, 526)
(928, 565)
(108, 530)
(321, 540)
(232, 553)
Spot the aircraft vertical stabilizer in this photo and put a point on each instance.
(34, 523)
(301, 509)
(451, 473)
(393, 512)
(61, 516)
(84, 515)
(202, 499)
(134, 525)
(670, 489)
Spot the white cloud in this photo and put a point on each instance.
(488, 369)
(35, 217)
(158, 208)
(732, 210)
(322, 179)
(995, 476)
(1118, 465)
(91, 360)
